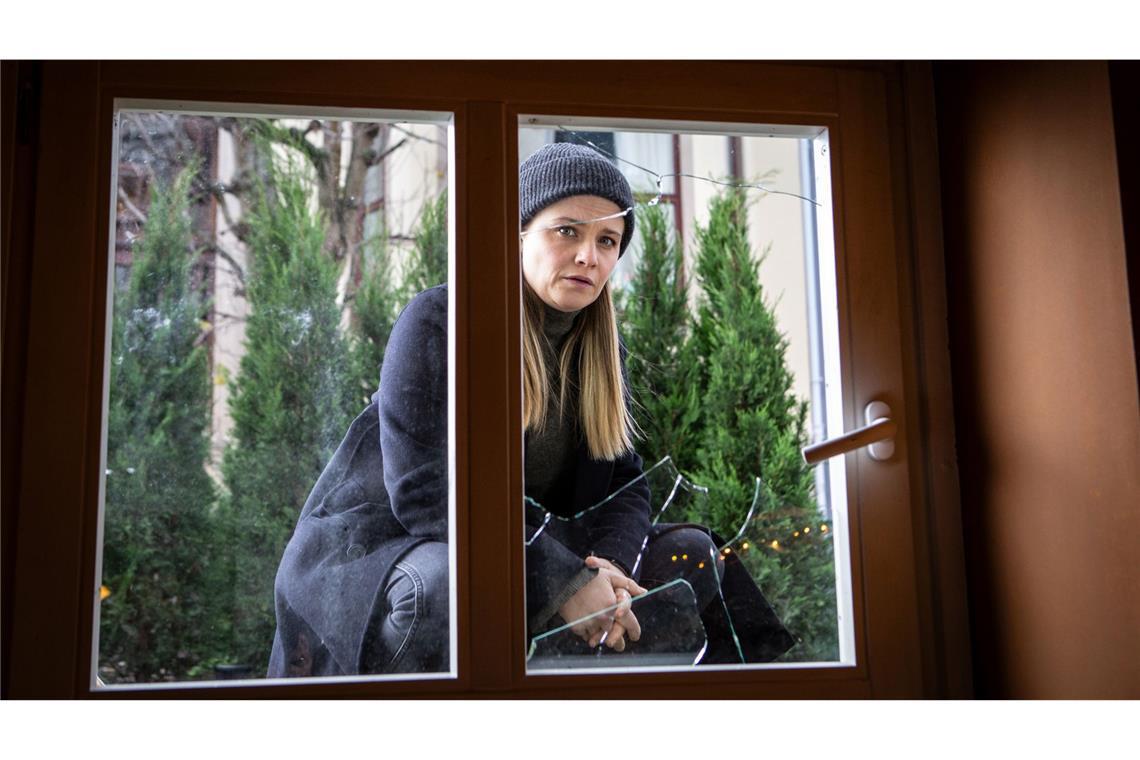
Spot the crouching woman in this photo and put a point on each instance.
(363, 583)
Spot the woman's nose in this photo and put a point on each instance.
(587, 253)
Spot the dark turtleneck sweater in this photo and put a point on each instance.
(550, 454)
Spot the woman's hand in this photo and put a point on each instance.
(608, 588)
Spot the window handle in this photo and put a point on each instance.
(878, 434)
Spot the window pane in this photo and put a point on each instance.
(725, 304)
(275, 491)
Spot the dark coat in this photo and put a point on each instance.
(385, 490)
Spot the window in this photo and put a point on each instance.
(52, 603)
(686, 325)
(261, 261)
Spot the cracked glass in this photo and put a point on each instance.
(710, 532)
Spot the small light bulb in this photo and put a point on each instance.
(728, 550)
(744, 545)
(823, 528)
(674, 557)
(701, 566)
(796, 534)
(684, 556)
(807, 530)
(775, 544)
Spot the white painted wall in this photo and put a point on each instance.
(777, 220)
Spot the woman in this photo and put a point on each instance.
(577, 218)
(363, 583)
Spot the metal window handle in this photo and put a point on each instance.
(878, 434)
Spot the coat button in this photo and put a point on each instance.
(355, 551)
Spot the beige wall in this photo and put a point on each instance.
(415, 175)
(777, 221)
(1048, 424)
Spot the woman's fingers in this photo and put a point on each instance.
(605, 636)
(614, 638)
(634, 587)
(614, 632)
(617, 578)
(623, 598)
(631, 626)
(613, 592)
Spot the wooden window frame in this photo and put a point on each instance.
(51, 516)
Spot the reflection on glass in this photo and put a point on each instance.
(260, 264)
(724, 301)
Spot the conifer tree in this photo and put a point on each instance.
(157, 624)
(427, 265)
(752, 425)
(655, 323)
(374, 310)
(379, 299)
(293, 398)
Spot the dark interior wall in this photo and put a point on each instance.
(18, 151)
(1045, 381)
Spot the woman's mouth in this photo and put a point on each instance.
(583, 281)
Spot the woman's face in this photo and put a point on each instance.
(568, 264)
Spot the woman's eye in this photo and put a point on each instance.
(609, 242)
(567, 230)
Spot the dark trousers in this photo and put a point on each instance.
(683, 552)
(413, 637)
(670, 615)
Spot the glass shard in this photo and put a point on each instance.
(669, 633)
(702, 593)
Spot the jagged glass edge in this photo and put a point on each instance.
(641, 597)
(679, 481)
(747, 518)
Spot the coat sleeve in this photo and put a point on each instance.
(413, 416)
(620, 528)
(616, 530)
(554, 573)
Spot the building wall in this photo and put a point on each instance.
(776, 223)
(1048, 425)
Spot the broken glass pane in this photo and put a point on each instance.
(708, 588)
(660, 628)
(725, 302)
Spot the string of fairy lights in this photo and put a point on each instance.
(774, 544)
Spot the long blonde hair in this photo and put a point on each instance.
(602, 413)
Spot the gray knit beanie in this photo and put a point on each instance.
(560, 170)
